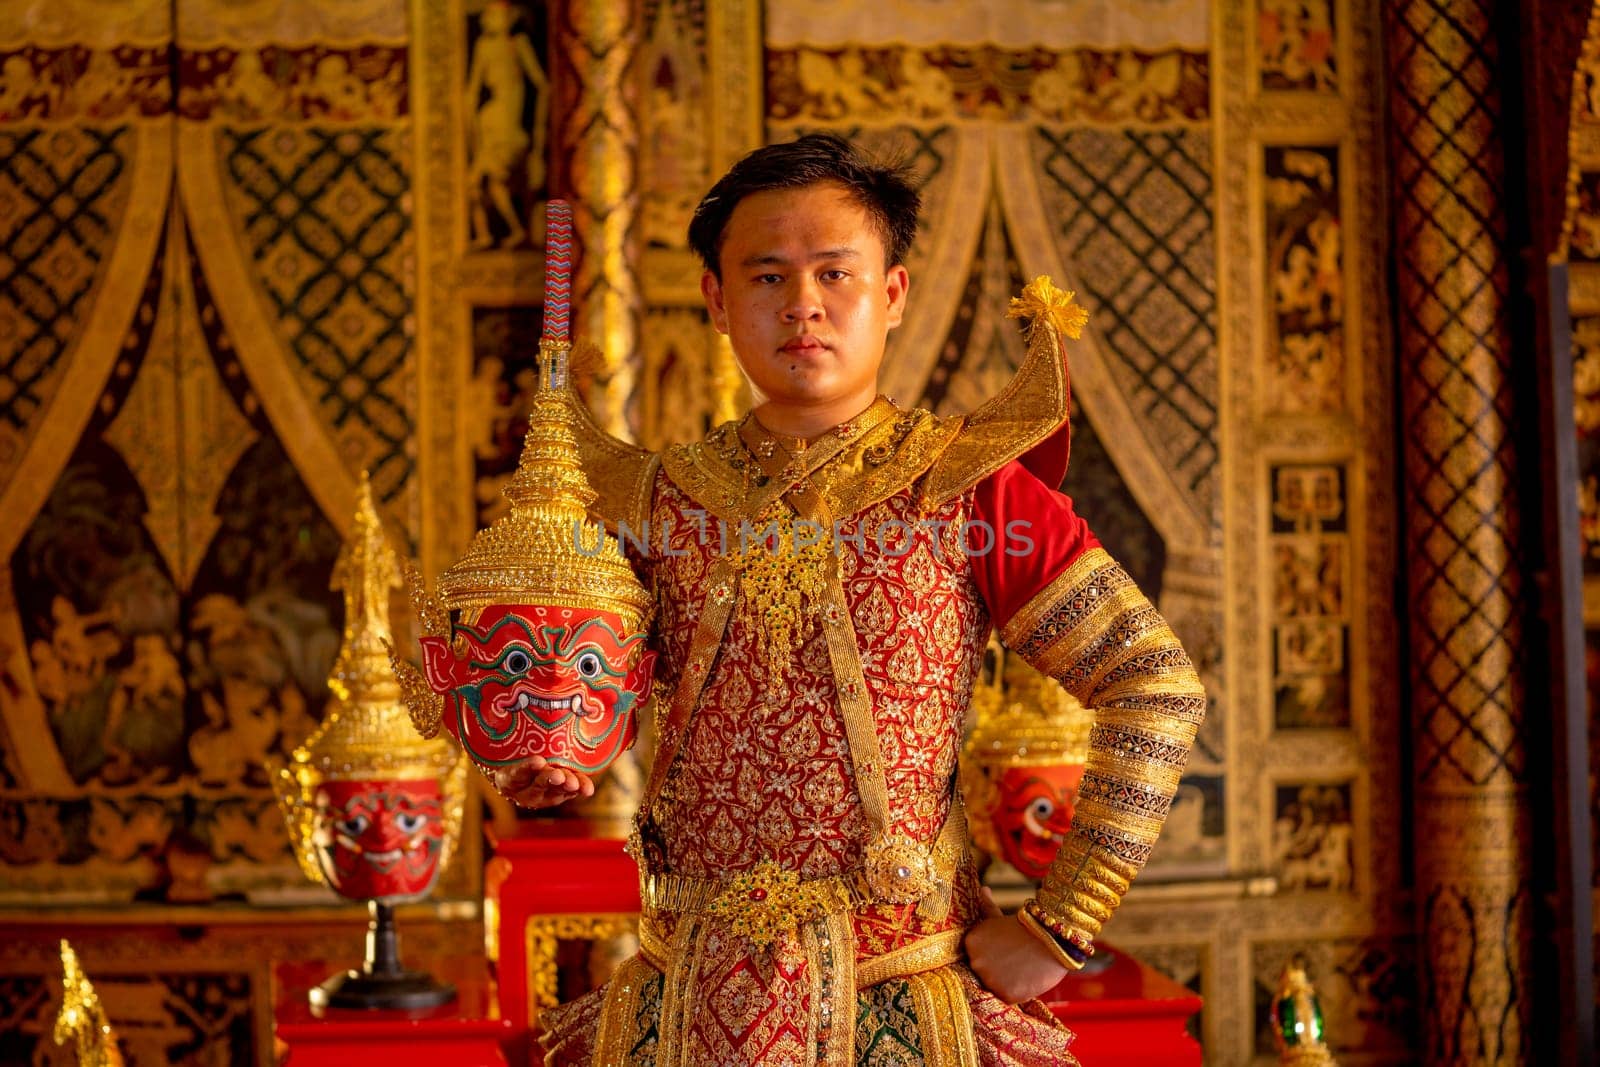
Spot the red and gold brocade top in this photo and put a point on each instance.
(810, 717)
(765, 769)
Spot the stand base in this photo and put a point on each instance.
(396, 991)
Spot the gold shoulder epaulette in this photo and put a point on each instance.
(621, 474)
(1031, 407)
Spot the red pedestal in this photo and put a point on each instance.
(552, 879)
(1130, 1015)
(467, 1032)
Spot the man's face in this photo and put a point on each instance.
(805, 297)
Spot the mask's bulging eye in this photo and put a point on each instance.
(589, 665)
(1042, 809)
(354, 826)
(518, 661)
(410, 822)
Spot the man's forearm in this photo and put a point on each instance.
(1093, 630)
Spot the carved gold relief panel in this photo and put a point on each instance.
(1306, 369)
(1311, 569)
(208, 332)
(1581, 250)
(1296, 45)
(1306, 521)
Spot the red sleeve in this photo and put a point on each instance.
(1037, 536)
(1047, 460)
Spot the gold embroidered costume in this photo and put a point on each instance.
(805, 872)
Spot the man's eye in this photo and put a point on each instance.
(768, 279)
(518, 661)
(833, 275)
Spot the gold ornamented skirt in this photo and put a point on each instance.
(708, 998)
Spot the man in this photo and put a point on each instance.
(826, 571)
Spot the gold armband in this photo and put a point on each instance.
(1047, 939)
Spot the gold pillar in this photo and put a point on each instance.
(1467, 597)
(595, 44)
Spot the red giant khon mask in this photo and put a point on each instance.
(1022, 764)
(379, 840)
(536, 642)
(372, 809)
(1033, 812)
(562, 683)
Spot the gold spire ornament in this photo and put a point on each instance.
(366, 756)
(1297, 1020)
(1022, 763)
(82, 1022)
(374, 811)
(547, 550)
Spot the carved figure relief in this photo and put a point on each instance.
(890, 83)
(507, 101)
(501, 394)
(1586, 416)
(1312, 837)
(674, 145)
(1310, 569)
(1585, 243)
(1306, 261)
(1296, 45)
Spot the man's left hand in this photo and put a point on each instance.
(1012, 963)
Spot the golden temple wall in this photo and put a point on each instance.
(251, 254)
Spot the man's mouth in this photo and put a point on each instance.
(802, 345)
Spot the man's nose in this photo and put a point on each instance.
(803, 302)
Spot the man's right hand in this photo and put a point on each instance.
(534, 783)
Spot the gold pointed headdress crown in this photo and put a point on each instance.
(1025, 717)
(547, 550)
(82, 1021)
(367, 732)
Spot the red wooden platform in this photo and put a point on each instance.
(467, 1032)
(1129, 1015)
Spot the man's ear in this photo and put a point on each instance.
(896, 283)
(711, 289)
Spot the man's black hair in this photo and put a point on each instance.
(887, 191)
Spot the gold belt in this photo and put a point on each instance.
(767, 900)
(758, 904)
(923, 954)
(763, 902)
